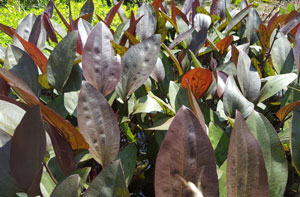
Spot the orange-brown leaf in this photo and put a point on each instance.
(223, 44)
(199, 80)
(234, 54)
(284, 111)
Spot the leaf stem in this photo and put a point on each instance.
(50, 173)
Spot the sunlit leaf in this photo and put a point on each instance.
(252, 24)
(109, 17)
(237, 19)
(223, 44)
(147, 25)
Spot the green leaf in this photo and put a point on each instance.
(60, 62)
(70, 101)
(253, 21)
(109, 182)
(47, 185)
(137, 65)
(282, 55)
(274, 84)
(246, 173)
(146, 104)
(222, 179)
(273, 152)
(128, 160)
(177, 95)
(68, 187)
(234, 100)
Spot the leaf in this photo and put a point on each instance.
(84, 29)
(4, 87)
(252, 24)
(49, 8)
(118, 49)
(198, 41)
(8, 30)
(246, 170)
(294, 139)
(47, 185)
(181, 37)
(202, 21)
(174, 59)
(291, 24)
(185, 144)
(63, 19)
(199, 79)
(109, 182)
(137, 65)
(248, 77)
(28, 148)
(68, 187)
(234, 100)
(87, 8)
(146, 104)
(177, 96)
(147, 25)
(49, 28)
(158, 73)
(222, 180)
(282, 55)
(272, 150)
(59, 66)
(274, 84)
(284, 111)
(100, 66)
(37, 31)
(296, 49)
(128, 159)
(35, 53)
(223, 44)
(63, 151)
(97, 123)
(109, 17)
(237, 19)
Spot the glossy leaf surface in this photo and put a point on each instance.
(98, 125)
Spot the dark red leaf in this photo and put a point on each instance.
(28, 148)
(273, 19)
(214, 8)
(173, 10)
(111, 14)
(130, 29)
(36, 30)
(49, 9)
(74, 26)
(100, 19)
(63, 19)
(157, 4)
(49, 28)
(182, 15)
(4, 87)
(8, 30)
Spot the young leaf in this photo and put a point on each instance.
(138, 64)
(274, 84)
(146, 27)
(185, 144)
(234, 100)
(272, 150)
(49, 28)
(246, 170)
(112, 13)
(248, 77)
(100, 66)
(199, 80)
(284, 111)
(109, 182)
(97, 123)
(28, 148)
(61, 61)
(68, 187)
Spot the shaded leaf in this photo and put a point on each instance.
(272, 150)
(284, 111)
(174, 59)
(4, 87)
(146, 27)
(146, 104)
(246, 170)
(274, 84)
(68, 187)
(59, 66)
(109, 182)
(49, 28)
(199, 80)
(294, 139)
(181, 37)
(137, 65)
(184, 144)
(177, 96)
(158, 73)
(28, 148)
(234, 100)
(98, 125)
(248, 77)
(198, 41)
(100, 66)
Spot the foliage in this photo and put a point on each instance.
(202, 101)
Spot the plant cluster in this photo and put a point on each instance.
(199, 101)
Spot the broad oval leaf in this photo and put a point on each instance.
(282, 55)
(202, 21)
(28, 149)
(109, 182)
(272, 150)
(60, 62)
(234, 100)
(246, 171)
(185, 152)
(147, 25)
(274, 84)
(68, 187)
(199, 80)
(100, 66)
(138, 64)
(248, 77)
(97, 123)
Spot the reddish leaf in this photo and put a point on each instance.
(111, 14)
(100, 19)
(86, 17)
(157, 4)
(272, 19)
(49, 28)
(67, 129)
(220, 77)
(4, 87)
(290, 25)
(63, 19)
(234, 54)
(131, 28)
(294, 31)
(8, 30)
(264, 36)
(185, 153)
(28, 148)
(284, 111)
(246, 171)
(74, 27)
(87, 9)
(63, 151)
(199, 80)
(173, 10)
(182, 15)
(223, 44)
(35, 53)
